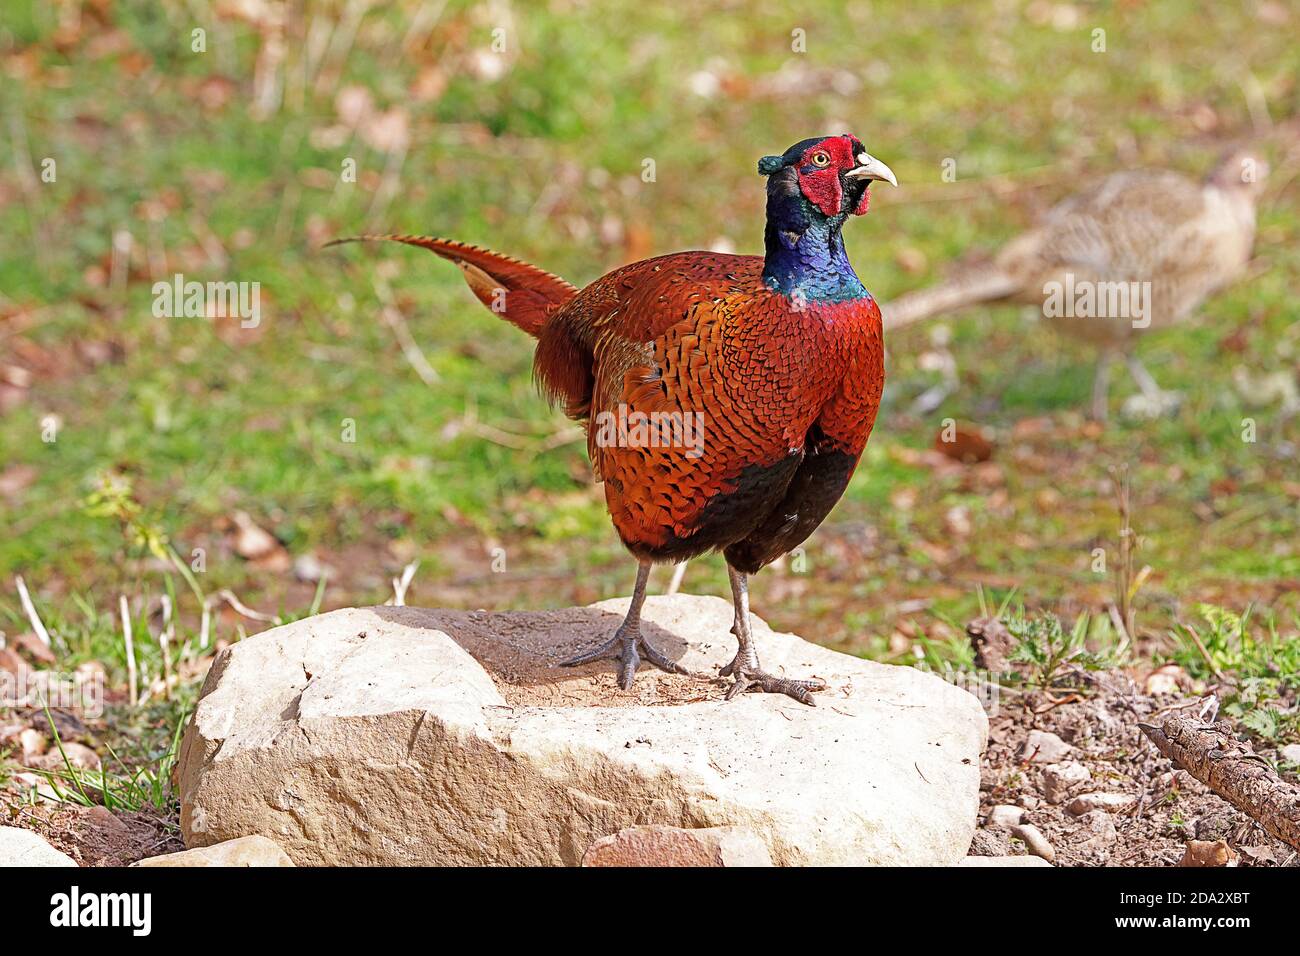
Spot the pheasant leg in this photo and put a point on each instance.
(744, 667)
(1155, 400)
(627, 645)
(1101, 387)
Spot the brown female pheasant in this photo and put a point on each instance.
(727, 398)
(1138, 250)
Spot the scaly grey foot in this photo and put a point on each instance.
(623, 647)
(1146, 407)
(800, 690)
(749, 676)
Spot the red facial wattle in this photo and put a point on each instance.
(821, 184)
(821, 187)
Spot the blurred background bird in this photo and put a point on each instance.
(1139, 250)
(777, 361)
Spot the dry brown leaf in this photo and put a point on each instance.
(963, 443)
(1259, 854)
(1208, 853)
(11, 662)
(33, 647)
(251, 540)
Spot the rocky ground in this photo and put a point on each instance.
(94, 836)
(1069, 776)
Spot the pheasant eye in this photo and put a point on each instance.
(821, 159)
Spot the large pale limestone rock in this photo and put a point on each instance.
(246, 851)
(20, 847)
(396, 735)
(677, 846)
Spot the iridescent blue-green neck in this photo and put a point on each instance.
(805, 254)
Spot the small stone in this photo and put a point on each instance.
(1003, 861)
(1168, 679)
(991, 642)
(1107, 723)
(1213, 826)
(1034, 841)
(19, 847)
(34, 647)
(81, 756)
(989, 843)
(253, 850)
(1109, 802)
(1028, 801)
(1290, 754)
(1042, 746)
(1060, 779)
(1005, 816)
(1100, 828)
(32, 743)
(311, 569)
(676, 846)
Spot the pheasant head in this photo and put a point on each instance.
(1243, 170)
(812, 188)
(833, 173)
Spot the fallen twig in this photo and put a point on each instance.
(679, 572)
(164, 645)
(401, 584)
(1200, 646)
(1212, 754)
(205, 625)
(129, 643)
(1055, 703)
(30, 610)
(392, 317)
(244, 610)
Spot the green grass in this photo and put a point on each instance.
(1255, 663)
(143, 779)
(545, 163)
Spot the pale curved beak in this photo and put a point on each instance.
(871, 168)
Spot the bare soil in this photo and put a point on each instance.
(520, 651)
(94, 836)
(1168, 807)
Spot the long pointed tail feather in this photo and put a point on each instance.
(522, 294)
(948, 296)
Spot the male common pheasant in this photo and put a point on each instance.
(727, 398)
(1147, 247)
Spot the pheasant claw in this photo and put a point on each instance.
(800, 690)
(627, 646)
